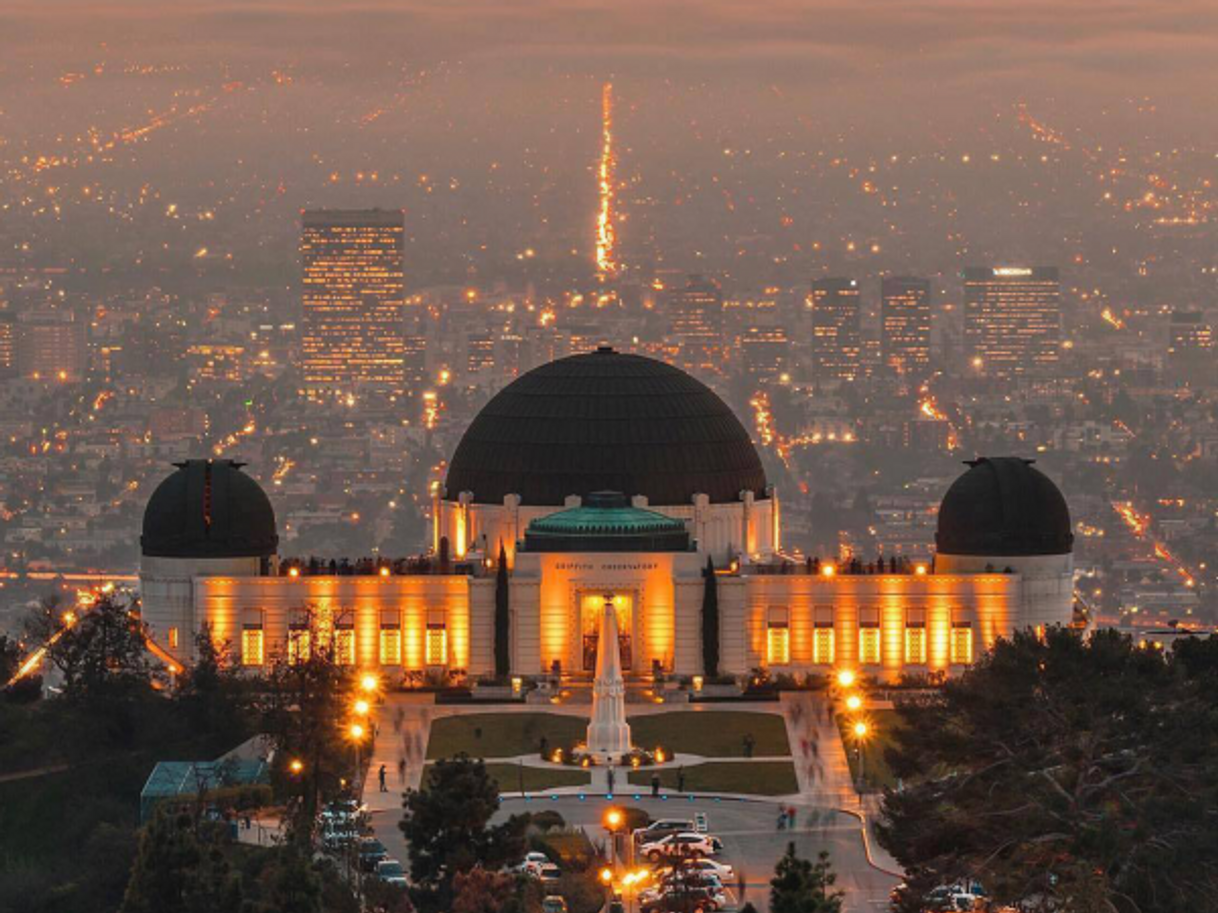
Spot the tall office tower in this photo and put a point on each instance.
(695, 315)
(764, 352)
(836, 336)
(353, 324)
(50, 346)
(1190, 347)
(1012, 319)
(8, 359)
(905, 325)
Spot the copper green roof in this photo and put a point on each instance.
(606, 522)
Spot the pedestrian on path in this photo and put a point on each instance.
(655, 784)
(681, 779)
(381, 776)
(611, 776)
(401, 769)
(749, 743)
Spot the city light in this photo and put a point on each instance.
(356, 731)
(854, 702)
(845, 678)
(860, 729)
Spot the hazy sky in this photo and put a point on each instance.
(1159, 45)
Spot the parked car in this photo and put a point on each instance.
(549, 873)
(553, 903)
(532, 863)
(686, 900)
(341, 810)
(390, 871)
(662, 827)
(684, 844)
(692, 879)
(338, 836)
(371, 851)
(725, 872)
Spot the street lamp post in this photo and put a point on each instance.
(860, 733)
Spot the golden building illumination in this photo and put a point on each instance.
(1003, 559)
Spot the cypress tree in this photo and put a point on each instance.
(710, 620)
(502, 618)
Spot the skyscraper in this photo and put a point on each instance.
(51, 346)
(905, 325)
(836, 337)
(695, 316)
(354, 310)
(1012, 319)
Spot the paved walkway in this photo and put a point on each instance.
(821, 768)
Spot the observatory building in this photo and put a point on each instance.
(606, 478)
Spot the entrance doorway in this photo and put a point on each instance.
(591, 607)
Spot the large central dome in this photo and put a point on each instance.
(605, 421)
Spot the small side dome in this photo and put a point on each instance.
(1004, 507)
(209, 509)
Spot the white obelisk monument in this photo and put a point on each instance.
(608, 733)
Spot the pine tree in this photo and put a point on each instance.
(503, 661)
(710, 621)
(174, 870)
(802, 886)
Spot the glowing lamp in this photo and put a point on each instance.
(384, 571)
(828, 570)
(920, 570)
(361, 707)
(606, 875)
(698, 682)
(293, 572)
(845, 678)
(854, 702)
(517, 684)
(860, 729)
(356, 731)
(613, 819)
(369, 682)
(296, 765)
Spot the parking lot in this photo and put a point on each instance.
(752, 844)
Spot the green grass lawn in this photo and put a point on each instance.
(501, 735)
(759, 778)
(510, 776)
(876, 773)
(712, 733)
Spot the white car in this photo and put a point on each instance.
(710, 866)
(686, 844)
(390, 871)
(532, 863)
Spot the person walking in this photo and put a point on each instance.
(681, 779)
(612, 778)
(655, 785)
(380, 774)
(401, 769)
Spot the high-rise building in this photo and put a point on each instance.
(1188, 333)
(905, 325)
(50, 346)
(353, 324)
(764, 351)
(695, 315)
(836, 335)
(1012, 319)
(1190, 347)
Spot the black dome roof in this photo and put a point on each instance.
(605, 421)
(1003, 506)
(209, 509)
